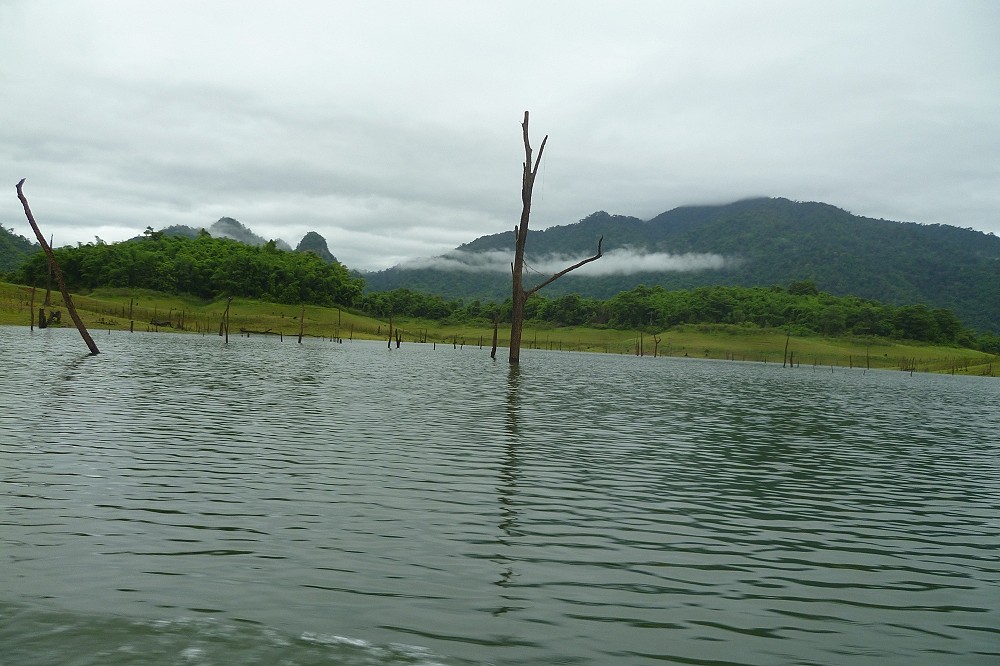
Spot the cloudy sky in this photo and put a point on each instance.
(393, 128)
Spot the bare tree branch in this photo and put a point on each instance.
(575, 266)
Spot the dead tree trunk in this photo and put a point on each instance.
(48, 283)
(496, 325)
(302, 322)
(520, 295)
(224, 324)
(54, 266)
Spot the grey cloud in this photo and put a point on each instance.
(392, 129)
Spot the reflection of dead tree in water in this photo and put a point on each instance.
(54, 267)
(513, 402)
(508, 483)
(519, 294)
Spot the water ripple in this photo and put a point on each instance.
(323, 503)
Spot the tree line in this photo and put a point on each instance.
(206, 267)
(800, 309)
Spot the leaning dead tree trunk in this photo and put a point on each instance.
(54, 267)
(520, 295)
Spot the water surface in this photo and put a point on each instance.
(178, 500)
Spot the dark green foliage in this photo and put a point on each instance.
(313, 242)
(774, 241)
(820, 313)
(204, 266)
(656, 308)
(14, 250)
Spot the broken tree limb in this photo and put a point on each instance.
(575, 266)
(54, 266)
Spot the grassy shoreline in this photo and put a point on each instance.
(121, 309)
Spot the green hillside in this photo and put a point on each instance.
(14, 250)
(204, 267)
(764, 242)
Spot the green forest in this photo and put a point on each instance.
(799, 309)
(14, 251)
(206, 267)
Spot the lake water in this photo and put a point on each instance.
(175, 500)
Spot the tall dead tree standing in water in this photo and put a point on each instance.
(54, 267)
(520, 295)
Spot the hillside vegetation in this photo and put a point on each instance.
(204, 267)
(14, 250)
(763, 242)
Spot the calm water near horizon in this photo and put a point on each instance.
(175, 500)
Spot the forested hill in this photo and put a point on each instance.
(758, 242)
(206, 267)
(14, 250)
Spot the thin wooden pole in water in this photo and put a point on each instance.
(224, 324)
(54, 266)
(302, 322)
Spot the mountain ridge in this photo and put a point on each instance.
(769, 240)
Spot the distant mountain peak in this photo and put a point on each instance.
(313, 242)
(227, 227)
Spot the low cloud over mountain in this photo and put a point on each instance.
(622, 261)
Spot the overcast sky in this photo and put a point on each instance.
(393, 128)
